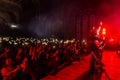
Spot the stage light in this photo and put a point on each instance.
(104, 31)
(13, 26)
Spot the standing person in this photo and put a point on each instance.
(97, 48)
(96, 65)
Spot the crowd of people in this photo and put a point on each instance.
(34, 61)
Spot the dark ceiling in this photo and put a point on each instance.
(33, 7)
(52, 12)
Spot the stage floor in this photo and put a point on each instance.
(79, 70)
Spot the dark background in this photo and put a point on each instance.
(67, 18)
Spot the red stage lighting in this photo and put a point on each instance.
(104, 31)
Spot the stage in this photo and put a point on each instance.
(79, 70)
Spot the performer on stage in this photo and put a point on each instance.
(97, 44)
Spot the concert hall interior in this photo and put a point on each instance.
(59, 39)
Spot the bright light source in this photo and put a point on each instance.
(13, 26)
(104, 31)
